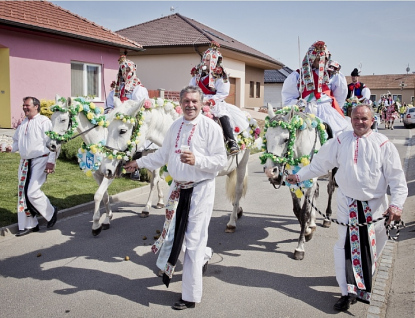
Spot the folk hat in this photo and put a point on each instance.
(355, 72)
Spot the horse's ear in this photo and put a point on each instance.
(117, 102)
(57, 97)
(69, 102)
(270, 110)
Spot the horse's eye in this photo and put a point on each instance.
(286, 140)
(63, 120)
(123, 131)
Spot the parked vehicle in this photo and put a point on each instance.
(409, 117)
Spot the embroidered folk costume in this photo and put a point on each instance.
(211, 76)
(128, 85)
(367, 165)
(325, 96)
(191, 198)
(30, 141)
(358, 89)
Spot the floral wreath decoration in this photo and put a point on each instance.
(91, 112)
(246, 138)
(90, 156)
(293, 165)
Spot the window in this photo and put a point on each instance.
(251, 89)
(396, 97)
(258, 90)
(85, 80)
(373, 98)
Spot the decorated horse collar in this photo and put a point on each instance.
(299, 121)
(91, 112)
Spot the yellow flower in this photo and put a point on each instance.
(305, 161)
(298, 193)
(312, 115)
(101, 110)
(168, 178)
(140, 122)
(90, 116)
(93, 149)
(107, 123)
(82, 150)
(322, 126)
(129, 142)
(110, 157)
(123, 171)
(119, 157)
(287, 166)
(124, 120)
(88, 173)
(81, 108)
(92, 105)
(101, 123)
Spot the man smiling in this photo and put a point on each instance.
(194, 151)
(367, 165)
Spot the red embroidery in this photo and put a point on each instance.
(188, 139)
(384, 142)
(356, 151)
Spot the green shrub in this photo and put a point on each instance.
(70, 150)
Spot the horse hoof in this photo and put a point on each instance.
(97, 231)
(230, 229)
(159, 206)
(309, 236)
(144, 214)
(326, 223)
(105, 226)
(240, 212)
(299, 255)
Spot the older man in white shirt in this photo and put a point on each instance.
(194, 151)
(367, 164)
(35, 164)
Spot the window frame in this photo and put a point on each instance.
(85, 66)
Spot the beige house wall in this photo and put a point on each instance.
(255, 75)
(407, 94)
(172, 72)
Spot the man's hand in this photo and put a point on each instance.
(131, 166)
(394, 214)
(50, 168)
(187, 157)
(291, 178)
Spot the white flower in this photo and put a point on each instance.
(160, 101)
(258, 143)
(114, 152)
(168, 106)
(245, 134)
(125, 158)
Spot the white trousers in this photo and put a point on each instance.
(378, 207)
(195, 249)
(35, 195)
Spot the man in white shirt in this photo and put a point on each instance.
(368, 163)
(194, 151)
(36, 163)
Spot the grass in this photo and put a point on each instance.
(65, 188)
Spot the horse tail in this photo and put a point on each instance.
(231, 184)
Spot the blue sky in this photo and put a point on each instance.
(378, 35)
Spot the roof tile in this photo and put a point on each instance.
(48, 17)
(187, 32)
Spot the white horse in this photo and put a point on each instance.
(70, 120)
(155, 124)
(292, 138)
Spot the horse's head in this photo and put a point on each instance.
(61, 123)
(124, 135)
(277, 137)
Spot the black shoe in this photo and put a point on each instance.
(204, 268)
(233, 147)
(344, 303)
(27, 231)
(182, 304)
(54, 218)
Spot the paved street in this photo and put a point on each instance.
(65, 272)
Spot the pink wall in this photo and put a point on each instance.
(41, 65)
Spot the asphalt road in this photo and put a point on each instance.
(66, 272)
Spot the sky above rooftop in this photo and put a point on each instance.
(376, 36)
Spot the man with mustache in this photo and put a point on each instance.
(194, 151)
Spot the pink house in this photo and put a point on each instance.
(46, 50)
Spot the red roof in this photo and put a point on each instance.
(47, 17)
(177, 30)
(388, 81)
